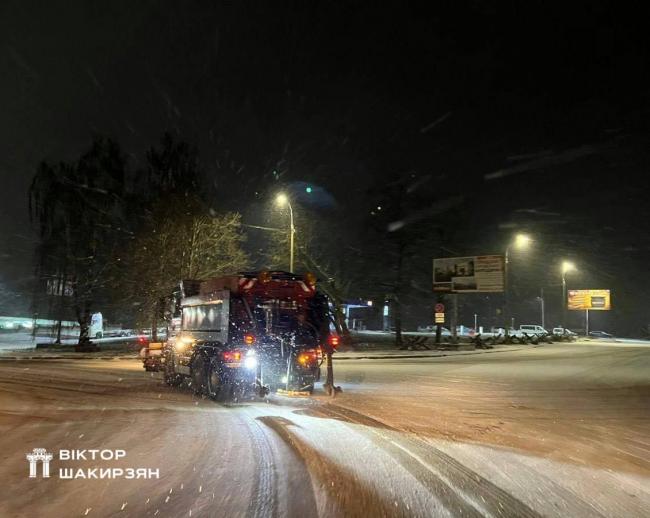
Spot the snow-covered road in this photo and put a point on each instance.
(557, 430)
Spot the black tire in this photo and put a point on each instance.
(199, 376)
(214, 380)
(172, 378)
(98, 335)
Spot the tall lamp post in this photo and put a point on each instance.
(541, 305)
(520, 242)
(567, 266)
(282, 200)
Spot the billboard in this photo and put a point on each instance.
(597, 300)
(473, 274)
(59, 288)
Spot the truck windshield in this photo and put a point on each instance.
(202, 318)
(284, 317)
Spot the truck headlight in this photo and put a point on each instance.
(250, 362)
(183, 343)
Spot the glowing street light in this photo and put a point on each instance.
(283, 200)
(522, 241)
(567, 266)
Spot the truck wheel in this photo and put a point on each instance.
(214, 382)
(199, 376)
(172, 378)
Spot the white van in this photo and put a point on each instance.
(96, 326)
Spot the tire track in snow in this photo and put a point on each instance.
(453, 483)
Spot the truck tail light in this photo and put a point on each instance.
(309, 356)
(333, 340)
(231, 356)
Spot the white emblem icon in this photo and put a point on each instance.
(39, 454)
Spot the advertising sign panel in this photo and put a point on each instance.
(597, 300)
(473, 274)
(59, 288)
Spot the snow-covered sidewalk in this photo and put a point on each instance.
(390, 354)
(386, 354)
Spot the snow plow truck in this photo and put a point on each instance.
(244, 334)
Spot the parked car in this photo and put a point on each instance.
(600, 334)
(432, 329)
(563, 331)
(531, 329)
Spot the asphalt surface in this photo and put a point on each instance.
(555, 430)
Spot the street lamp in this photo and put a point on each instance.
(541, 303)
(567, 266)
(282, 199)
(520, 242)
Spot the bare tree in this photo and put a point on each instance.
(78, 212)
(181, 242)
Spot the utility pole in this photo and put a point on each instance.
(521, 241)
(567, 266)
(541, 301)
(454, 318)
(282, 200)
(563, 301)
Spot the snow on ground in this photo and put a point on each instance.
(24, 340)
(15, 341)
(556, 430)
(563, 428)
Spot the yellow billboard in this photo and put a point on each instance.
(598, 300)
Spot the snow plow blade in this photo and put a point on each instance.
(293, 393)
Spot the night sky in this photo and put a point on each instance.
(536, 114)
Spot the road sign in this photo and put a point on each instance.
(59, 288)
(440, 318)
(440, 308)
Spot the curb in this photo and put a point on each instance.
(336, 358)
(32, 358)
(438, 355)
